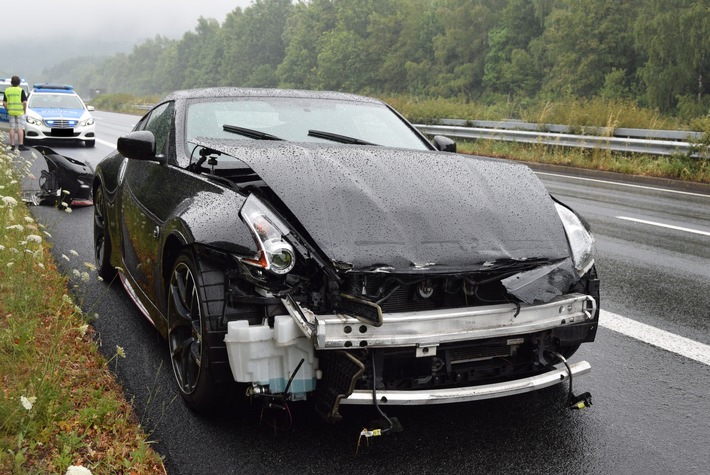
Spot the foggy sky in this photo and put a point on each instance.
(78, 27)
(114, 18)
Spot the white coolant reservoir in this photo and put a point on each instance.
(269, 356)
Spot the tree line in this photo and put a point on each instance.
(648, 51)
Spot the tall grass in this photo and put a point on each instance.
(604, 115)
(60, 405)
(574, 112)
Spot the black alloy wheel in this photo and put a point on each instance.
(188, 317)
(102, 239)
(185, 328)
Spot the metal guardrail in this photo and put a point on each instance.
(653, 142)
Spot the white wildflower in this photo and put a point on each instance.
(66, 192)
(90, 266)
(66, 299)
(28, 402)
(67, 210)
(73, 252)
(14, 182)
(101, 279)
(9, 201)
(2, 248)
(83, 328)
(76, 273)
(120, 351)
(77, 470)
(47, 234)
(34, 238)
(10, 264)
(28, 219)
(85, 277)
(17, 227)
(40, 265)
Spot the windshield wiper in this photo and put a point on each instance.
(319, 134)
(251, 133)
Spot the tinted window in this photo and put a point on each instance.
(159, 122)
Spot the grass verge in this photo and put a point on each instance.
(678, 167)
(60, 405)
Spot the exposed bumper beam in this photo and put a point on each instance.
(475, 393)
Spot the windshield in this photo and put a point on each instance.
(299, 120)
(54, 101)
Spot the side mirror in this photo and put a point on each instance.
(444, 144)
(90, 108)
(139, 145)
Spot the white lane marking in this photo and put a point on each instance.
(669, 226)
(107, 143)
(625, 184)
(655, 336)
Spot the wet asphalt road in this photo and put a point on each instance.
(651, 411)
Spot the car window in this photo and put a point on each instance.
(159, 122)
(54, 101)
(292, 118)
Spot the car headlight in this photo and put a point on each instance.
(275, 254)
(33, 120)
(581, 241)
(84, 123)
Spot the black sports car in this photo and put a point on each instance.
(315, 244)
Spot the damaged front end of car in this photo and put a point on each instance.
(421, 334)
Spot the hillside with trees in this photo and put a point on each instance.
(472, 50)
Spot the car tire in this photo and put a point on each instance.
(90, 143)
(102, 238)
(195, 297)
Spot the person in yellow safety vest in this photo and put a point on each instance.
(14, 99)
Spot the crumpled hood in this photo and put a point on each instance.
(380, 207)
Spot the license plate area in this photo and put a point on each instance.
(62, 133)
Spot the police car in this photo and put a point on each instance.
(4, 84)
(56, 112)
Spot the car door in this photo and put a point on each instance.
(145, 206)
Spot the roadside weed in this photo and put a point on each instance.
(60, 405)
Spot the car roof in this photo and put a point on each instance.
(213, 92)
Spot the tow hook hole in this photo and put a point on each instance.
(363, 343)
(348, 344)
(348, 329)
(363, 329)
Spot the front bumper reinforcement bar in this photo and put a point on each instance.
(475, 393)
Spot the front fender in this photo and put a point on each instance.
(212, 220)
